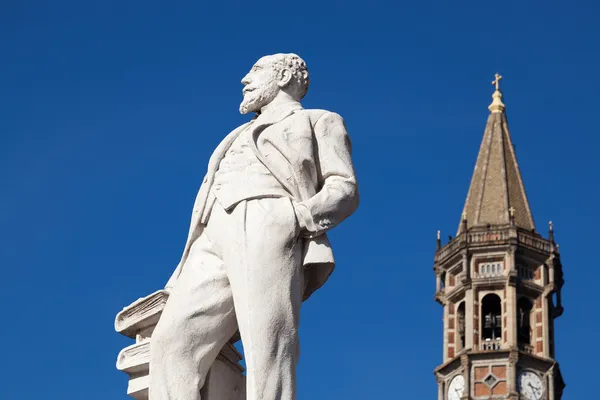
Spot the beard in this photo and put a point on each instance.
(256, 99)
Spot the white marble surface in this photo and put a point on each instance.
(225, 379)
(252, 256)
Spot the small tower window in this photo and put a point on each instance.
(524, 307)
(491, 269)
(460, 319)
(443, 280)
(524, 272)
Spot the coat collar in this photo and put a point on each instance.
(270, 116)
(219, 152)
(276, 113)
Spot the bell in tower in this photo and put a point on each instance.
(492, 325)
(496, 280)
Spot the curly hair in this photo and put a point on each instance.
(300, 80)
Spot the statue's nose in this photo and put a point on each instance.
(245, 80)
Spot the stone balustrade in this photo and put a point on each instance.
(535, 242)
(491, 345)
(526, 348)
(482, 237)
(488, 236)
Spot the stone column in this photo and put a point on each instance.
(550, 384)
(441, 387)
(466, 366)
(469, 318)
(550, 278)
(546, 307)
(511, 306)
(466, 264)
(446, 314)
(511, 300)
(511, 375)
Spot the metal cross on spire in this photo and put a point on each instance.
(497, 105)
(497, 81)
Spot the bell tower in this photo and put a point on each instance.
(499, 282)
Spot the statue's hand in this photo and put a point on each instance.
(300, 217)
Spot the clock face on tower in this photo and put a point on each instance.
(456, 388)
(530, 386)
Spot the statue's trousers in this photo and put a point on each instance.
(244, 272)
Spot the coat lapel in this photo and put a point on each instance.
(222, 148)
(263, 122)
(213, 165)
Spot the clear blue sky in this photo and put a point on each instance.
(109, 111)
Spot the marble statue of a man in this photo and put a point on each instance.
(257, 245)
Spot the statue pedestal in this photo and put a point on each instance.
(225, 380)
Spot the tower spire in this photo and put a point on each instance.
(496, 194)
(500, 284)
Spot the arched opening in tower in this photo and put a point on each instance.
(524, 307)
(460, 322)
(443, 281)
(491, 310)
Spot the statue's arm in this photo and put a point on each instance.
(338, 196)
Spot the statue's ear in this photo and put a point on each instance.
(284, 78)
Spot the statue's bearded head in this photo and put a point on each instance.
(271, 77)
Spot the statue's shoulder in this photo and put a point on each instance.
(316, 114)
